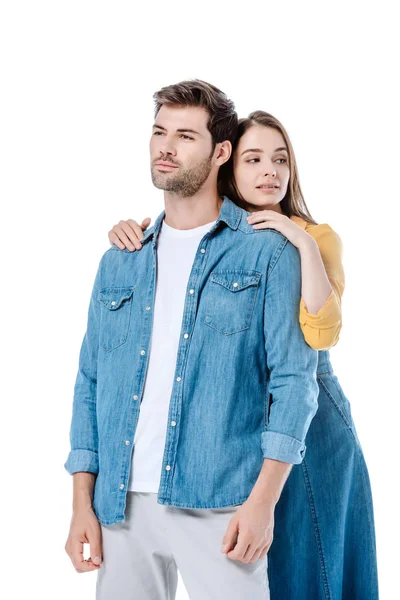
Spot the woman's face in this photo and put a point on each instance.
(261, 168)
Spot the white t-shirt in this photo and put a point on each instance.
(176, 249)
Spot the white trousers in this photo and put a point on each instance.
(142, 555)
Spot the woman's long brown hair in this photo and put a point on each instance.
(293, 203)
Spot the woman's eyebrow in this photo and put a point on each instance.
(252, 150)
(259, 150)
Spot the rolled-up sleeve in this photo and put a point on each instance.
(83, 455)
(322, 329)
(292, 389)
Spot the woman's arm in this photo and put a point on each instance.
(320, 250)
(322, 287)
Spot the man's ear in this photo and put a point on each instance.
(223, 152)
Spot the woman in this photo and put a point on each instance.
(324, 537)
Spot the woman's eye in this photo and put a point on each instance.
(253, 159)
(282, 159)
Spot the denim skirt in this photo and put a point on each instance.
(324, 536)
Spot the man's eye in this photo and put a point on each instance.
(158, 133)
(186, 137)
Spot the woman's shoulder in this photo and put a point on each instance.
(323, 233)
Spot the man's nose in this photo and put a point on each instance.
(167, 147)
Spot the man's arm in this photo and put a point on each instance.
(83, 460)
(292, 393)
(83, 456)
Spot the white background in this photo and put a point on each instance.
(76, 111)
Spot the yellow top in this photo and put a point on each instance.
(321, 330)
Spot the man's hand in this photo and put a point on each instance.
(84, 529)
(253, 523)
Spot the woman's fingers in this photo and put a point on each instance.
(126, 234)
(265, 225)
(133, 233)
(118, 237)
(259, 218)
(145, 223)
(114, 239)
(123, 236)
(136, 229)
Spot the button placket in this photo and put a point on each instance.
(182, 351)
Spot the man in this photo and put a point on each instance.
(195, 387)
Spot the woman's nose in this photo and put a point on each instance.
(270, 172)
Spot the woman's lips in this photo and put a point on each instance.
(268, 190)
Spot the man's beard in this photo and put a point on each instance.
(187, 183)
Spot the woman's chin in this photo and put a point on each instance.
(261, 204)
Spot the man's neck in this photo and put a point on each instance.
(189, 213)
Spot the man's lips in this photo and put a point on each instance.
(166, 165)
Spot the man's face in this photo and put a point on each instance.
(181, 150)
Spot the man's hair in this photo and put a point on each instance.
(223, 120)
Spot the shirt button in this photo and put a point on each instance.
(148, 307)
(167, 468)
(186, 336)
(135, 397)
(121, 487)
(178, 379)
(173, 423)
(113, 303)
(202, 251)
(235, 284)
(127, 442)
(142, 352)
(191, 291)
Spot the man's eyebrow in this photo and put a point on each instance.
(261, 151)
(178, 130)
(188, 131)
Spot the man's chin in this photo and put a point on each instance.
(160, 182)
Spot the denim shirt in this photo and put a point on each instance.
(245, 384)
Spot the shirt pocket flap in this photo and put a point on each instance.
(236, 280)
(112, 298)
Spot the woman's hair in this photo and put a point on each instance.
(293, 203)
(222, 116)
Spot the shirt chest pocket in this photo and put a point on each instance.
(231, 299)
(116, 308)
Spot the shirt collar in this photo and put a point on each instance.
(230, 214)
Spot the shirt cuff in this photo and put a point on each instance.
(328, 315)
(82, 460)
(280, 446)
